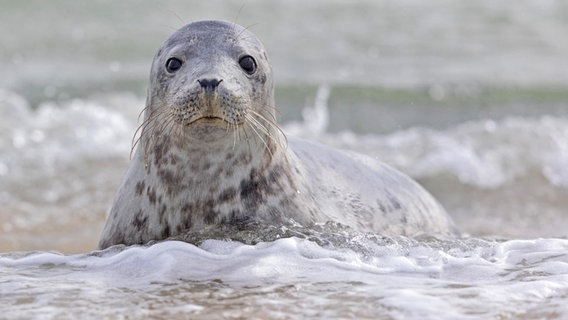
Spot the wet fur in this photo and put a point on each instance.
(213, 158)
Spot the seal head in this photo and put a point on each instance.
(210, 73)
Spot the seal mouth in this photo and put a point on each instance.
(209, 120)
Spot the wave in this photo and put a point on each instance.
(484, 153)
(450, 278)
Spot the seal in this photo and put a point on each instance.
(210, 153)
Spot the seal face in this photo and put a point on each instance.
(211, 153)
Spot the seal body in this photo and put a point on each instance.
(210, 153)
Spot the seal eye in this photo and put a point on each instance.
(248, 64)
(173, 65)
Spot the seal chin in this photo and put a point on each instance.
(209, 129)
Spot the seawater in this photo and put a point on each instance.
(294, 278)
(476, 111)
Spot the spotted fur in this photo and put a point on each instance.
(216, 156)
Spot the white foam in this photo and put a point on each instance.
(416, 279)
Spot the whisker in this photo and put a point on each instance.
(238, 132)
(147, 121)
(238, 37)
(235, 129)
(171, 12)
(252, 126)
(170, 127)
(259, 125)
(166, 141)
(271, 122)
(143, 127)
(153, 137)
(142, 111)
(234, 27)
(265, 130)
(272, 117)
(271, 109)
(247, 138)
(275, 126)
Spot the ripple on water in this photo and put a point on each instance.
(350, 275)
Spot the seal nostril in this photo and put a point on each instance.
(209, 84)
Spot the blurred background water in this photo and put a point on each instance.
(467, 97)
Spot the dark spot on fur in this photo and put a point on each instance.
(140, 220)
(284, 203)
(151, 193)
(228, 172)
(275, 174)
(218, 172)
(162, 214)
(173, 159)
(172, 182)
(187, 222)
(381, 207)
(244, 158)
(167, 176)
(237, 220)
(394, 202)
(262, 78)
(139, 187)
(160, 151)
(227, 194)
(251, 193)
(191, 209)
(187, 211)
(210, 216)
(166, 232)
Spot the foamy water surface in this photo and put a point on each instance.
(295, 278)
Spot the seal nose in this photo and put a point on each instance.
(209, 84)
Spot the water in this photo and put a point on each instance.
(294, 278)
(467, 98)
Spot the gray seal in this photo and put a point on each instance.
(210, 153)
